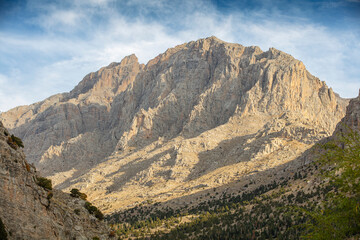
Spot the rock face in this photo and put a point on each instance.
(351, 120)
(29, 212)
(70, 130)
(202, 113)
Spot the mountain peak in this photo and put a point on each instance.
(199, 107)
(210, 42)
(107, 81)
(130, 59)
(213, 39)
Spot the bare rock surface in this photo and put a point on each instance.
(205, 113)
(28, 211)
(351, 120)
(51, 129)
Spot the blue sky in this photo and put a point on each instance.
(47, 47)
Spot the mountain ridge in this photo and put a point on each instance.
(206, 111)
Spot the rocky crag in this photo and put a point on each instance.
(351, 121)
(29, 211)
(199, 116)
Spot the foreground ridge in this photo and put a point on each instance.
(31, 209)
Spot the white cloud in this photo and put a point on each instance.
(64, 18)
(327, 55)
(90, 34)
(11, 94)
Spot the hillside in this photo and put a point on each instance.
(320, 201)
(31, 209)
(205, 114)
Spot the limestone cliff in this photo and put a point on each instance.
(351, 121)
(204, 113)
(75, 123)
(29, 211)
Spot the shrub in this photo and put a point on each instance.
(94, 210)
(3, 234)
(96, 238)
(17, 141)
(76, 193)
(83, 196)
(87, 206)
(49, 195)
(77, 211)
(44, 182)
(99, 215)
(12, 143)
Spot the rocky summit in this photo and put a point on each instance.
(205, 114)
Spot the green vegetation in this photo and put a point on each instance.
(320, 201)
(339, 216)
(3, 233)
(17, 140)
(14, 142)
(77, 194)
(44, 183)
(224, 218)
(94, 210)
(88, 206)
(50, 195)
(99, 215)
(77, 211)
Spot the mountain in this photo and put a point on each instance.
(31, 209)
(205, 114)
(317, 197)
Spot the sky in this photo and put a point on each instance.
(48, 46)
